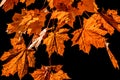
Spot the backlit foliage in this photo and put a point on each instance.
(53, 34)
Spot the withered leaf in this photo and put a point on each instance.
(9, 4)
(55, 41)
(46, 73)
(17, 59)
(92, 33)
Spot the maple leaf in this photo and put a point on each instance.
(55, 41)
(17, 59)
(92, 33)
(27, 2)
(31, 21)
(9, 4)
(86, 5)
(45, 73)
(112, 57)
(64, 17)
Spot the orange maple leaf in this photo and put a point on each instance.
(92, 33)
(17, 59)
(9, 4)
(31, 21)
(46, 73)
(55, 41)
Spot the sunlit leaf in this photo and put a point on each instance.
(55, 41)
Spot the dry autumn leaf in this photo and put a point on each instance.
(9, 4)
(92, 33)
(55, 41)
(46, 73)
(17, 59)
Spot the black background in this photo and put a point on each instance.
(78, 65)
